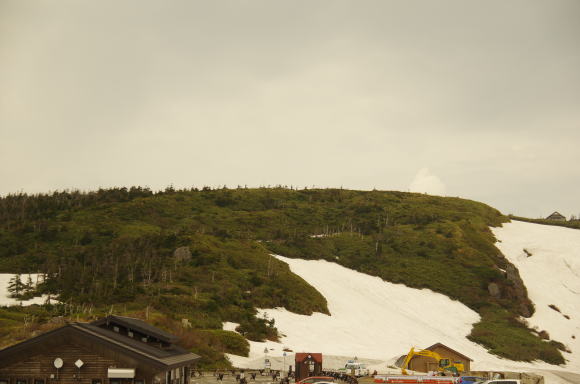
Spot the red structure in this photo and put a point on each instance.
(308, 364)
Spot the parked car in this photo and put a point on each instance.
(317, 380)
(470, 379)
(502, 381)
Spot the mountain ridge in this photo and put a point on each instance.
(117, 247)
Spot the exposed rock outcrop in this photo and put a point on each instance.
(544, 335)
(517, 291)
(494, 290)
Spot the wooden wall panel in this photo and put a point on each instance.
(40, 366)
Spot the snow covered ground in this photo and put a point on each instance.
(551, 275)
(6, 300)
(369, 317)
(376, 320)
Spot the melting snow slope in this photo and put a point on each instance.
(373, 319)
(551, 275)
(369, 317)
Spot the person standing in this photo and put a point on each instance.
(243, 377)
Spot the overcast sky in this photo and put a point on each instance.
(477, 99)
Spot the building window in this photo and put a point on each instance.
(116, 329)
(38, 381)
(4, 381)
(139, 381)
(21, 381)
(130, 333)
(96, 381)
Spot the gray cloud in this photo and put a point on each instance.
(329, 93)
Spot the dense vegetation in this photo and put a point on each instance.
(204, 255)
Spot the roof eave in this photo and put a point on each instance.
(451, 349)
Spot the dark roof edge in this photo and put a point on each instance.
(138, 325)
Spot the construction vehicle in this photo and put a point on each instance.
(442, 363)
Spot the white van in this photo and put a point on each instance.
(360, 369)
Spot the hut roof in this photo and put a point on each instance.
(314, 356)
(556, 215)
(431, 348)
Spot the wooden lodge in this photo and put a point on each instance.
(307, 365)
(113, 350)
(427, 364)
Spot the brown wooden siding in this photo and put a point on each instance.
(41, 366)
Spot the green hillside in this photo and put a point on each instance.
(115, 251)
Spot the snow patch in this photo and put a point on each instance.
(6, 300)
(228, 326)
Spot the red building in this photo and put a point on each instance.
(308, 364)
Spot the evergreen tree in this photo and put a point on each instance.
(29, 284)
(15, 286)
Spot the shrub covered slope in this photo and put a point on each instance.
(115, 250)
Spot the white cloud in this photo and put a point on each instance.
(426, 182)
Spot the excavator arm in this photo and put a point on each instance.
(407, 360)
(448, 366)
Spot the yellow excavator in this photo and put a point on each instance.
(442, 363)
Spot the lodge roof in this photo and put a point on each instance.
(137, 325)
(137, 345)
(167, 358)
(556, 215)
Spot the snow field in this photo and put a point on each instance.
(551, 275)
(377, 321)
(369, 317)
